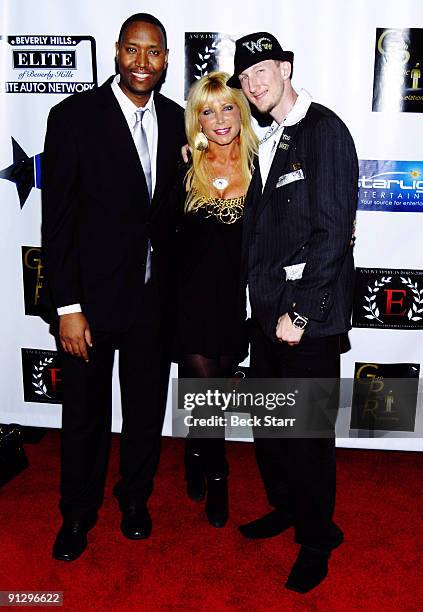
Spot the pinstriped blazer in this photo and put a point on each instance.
(304, 215)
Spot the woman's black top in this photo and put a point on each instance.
(210, 319)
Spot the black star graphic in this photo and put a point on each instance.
(21, 172)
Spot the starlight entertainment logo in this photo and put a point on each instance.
(392, 186)
(388, 298)
(48, 64)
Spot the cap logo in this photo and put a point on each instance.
(262, 44)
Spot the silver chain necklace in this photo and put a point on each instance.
(272, 131)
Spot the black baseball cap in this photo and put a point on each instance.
(255, 48)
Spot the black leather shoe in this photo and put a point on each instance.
(268, 526)
(71, 540)
(136, 523)
(310, 568)
(217, 501)
(194, 476)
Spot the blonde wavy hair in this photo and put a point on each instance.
(208, 89)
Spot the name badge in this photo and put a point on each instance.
(290, 177)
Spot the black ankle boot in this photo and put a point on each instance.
(309, 570)
(217, 501)
(194, 476)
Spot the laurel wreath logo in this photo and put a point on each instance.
(204, 60)
(38, 383)
(371, 307)
(414, 311)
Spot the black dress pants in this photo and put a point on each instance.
(299, 474)
(87, 409)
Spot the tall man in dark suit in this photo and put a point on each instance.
(298, 263)
(110, 161)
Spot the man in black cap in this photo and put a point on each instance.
(298, 264)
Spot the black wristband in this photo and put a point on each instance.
(298, 321)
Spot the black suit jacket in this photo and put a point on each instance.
(309, 220)
(96, 216)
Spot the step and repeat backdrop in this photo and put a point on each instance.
(362, 59)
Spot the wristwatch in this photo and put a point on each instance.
(298, 321)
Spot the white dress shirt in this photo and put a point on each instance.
(269, 143)
(150, 126)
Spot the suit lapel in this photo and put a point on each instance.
(278, 164)
(164, 125)
(252, 199)
(251, 202)
(116, 126)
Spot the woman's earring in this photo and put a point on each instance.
(200, 142)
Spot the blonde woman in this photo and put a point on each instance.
(210, 331)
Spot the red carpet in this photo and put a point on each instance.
(188, 565)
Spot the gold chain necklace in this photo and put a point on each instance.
(226, 211)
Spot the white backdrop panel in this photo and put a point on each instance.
(333, 41)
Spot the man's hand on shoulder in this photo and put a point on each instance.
(186, 153)
(75, 334)
(286, 332)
